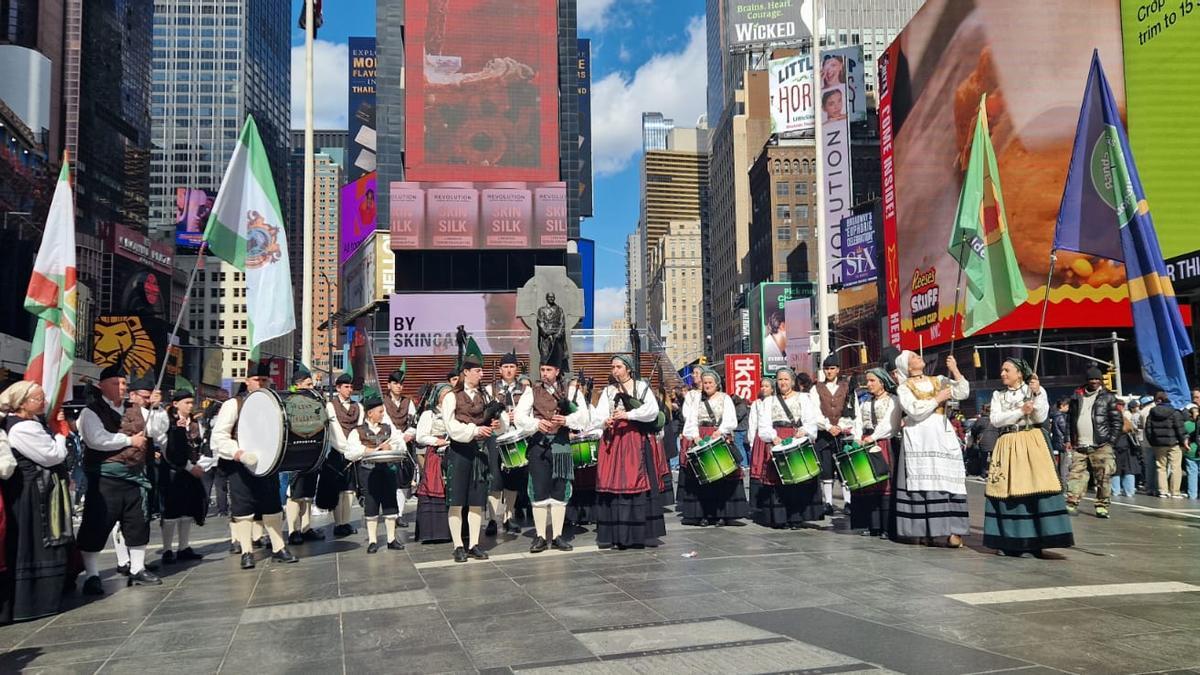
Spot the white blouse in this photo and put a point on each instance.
(695, 415)
(32, 440)
(355, 449)
(643, 413)
(920, 409)
(1006, 407)
(803, 409)
(884, 418)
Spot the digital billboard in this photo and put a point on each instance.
(860, 253)
(426, 323)
(358, 216)
(758, 22)
(587, 271)
(1031, 58)
(465, 215)
(141, 274)
(482, 90)
(192, 207)
(835, 149)
(793, 102)
(584, 191)
(769, 327)
(360, 118)
(142, 341)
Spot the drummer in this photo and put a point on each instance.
(466, 467)
(302, 488)
(334, 492)
(787, 414)
(877, 421)
(542, 413)
(185, 501)
(582, 503)
(708, 416)
(833, 425)
(249, 494)
(376, 480)
(401, 414)
(506, 483)
(432, 442)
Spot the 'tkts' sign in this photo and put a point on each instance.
(742, 375)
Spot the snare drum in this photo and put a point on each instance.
(513, 446)
(711, 460)
(585, 449)
(796, 461)
(862, 465)
(285, 429)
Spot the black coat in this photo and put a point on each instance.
(1060, 433)
(1107, 421)
(1164, 426)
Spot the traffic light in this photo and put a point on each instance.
(976, 359)
(704, 360)
(862, 355)
(1108, 381)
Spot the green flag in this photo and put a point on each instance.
(182, 384)
(980, 242)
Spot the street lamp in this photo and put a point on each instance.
(23, 214)
(329, 324)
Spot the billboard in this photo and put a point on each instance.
(793, 102)
(143, 340)
(755, 22)
(466, 215)
(860, 253)
(482, 90)
(360, 118)
(801, 340)
(768, 322)
(835, 132)
(743, 375)
(359, 208)
(930, 82)
(192, 207)
(141, 274)
(369, 274)
(584, 75)
(1160, 64)
(426, 323)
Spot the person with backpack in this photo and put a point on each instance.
(1165, 433)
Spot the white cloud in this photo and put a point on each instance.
(592, 14)
(330, 85)
(609, 306)
(672, 83)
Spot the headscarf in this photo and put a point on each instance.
(438, 391)
(902, 366)
(884, 377)
(15, 395)
(628, 361)
(1022, 367)
(709, 372)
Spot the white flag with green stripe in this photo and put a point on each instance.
(245, 229)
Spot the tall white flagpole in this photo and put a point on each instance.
(822, 227)
(306, 303)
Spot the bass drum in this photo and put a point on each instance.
(285, 429)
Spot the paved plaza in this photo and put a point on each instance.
(751, 600)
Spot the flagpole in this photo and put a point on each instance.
(822, 226)
(187, 295)
(962, 245)
(1037, 355)
(306, 303)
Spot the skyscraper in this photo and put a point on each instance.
(655, 128)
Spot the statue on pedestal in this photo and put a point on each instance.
(552, 332)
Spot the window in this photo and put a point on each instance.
(802, 212)
(783, 233)
(781, 189)
(783, 211)
(802, 189)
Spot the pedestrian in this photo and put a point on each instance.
(1191, 452)
(983, 440)
(1126, 452)
(742, 410)
(1095, 425)
(1165, 433)
(1060, 436)
(1149, 474)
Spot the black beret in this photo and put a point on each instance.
(831, 361)
(343, 379)
(372, 402)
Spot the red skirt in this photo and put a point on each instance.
(620, 468)
(662, 470)
(686, 444)
(762, 469)
(432, 484)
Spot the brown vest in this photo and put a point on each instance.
(832, 405)
(131, 423)
(346, 419)
(372, 439)
(545, 406)
(397, 413)
(468, 411)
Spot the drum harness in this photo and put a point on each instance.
(786, 411)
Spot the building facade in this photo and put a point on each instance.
(675, 316)
(655, 129)
(674, 183)
(635, 286)
(327, 181)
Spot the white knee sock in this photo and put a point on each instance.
(389, 524)
(510, 503)
(541, 518)
(185, 531)
(168, 534)
(496, 507)
(346, 505)
(372, 530)
(455, 518)
(292, 509)
(119, 545)
(273, 524)
(256, 530)
(91, 563)
(243, 533)
(845, 493)
(827, 490)
(474, 524)
(305, 516)
(558, 516)
(137, 559)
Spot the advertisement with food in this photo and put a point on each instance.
(1031, 59)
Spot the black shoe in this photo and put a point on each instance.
(284, 556)
(256, 543)
(143, 578)
(716, 523)
(694, 522)
(477, 553)
(295, 539)
(123, 570)
(491, 529)
(562, 545)
(395, 545)
(168, 557)
(92, 586)
(247, 561)
(401, 522)
(235, 548)
(460, 556)
(372, 548)
(343, 530)
(511, 527)
(733, 522)
(846, 509)
(264, 542)
(829, 509)
(188, 554)
(313, 535)
(538, 545)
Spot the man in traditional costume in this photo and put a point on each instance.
(334, 491)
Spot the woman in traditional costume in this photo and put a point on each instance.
(787, 414)
(711, 414)
(432, 441)
(877, 422)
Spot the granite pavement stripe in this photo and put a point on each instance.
(329, 607)
(1066, 592)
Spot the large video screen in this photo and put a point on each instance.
(1031, 58)
(192, 207)
(482, 99)
(465, 215)
(426, 323)
(358, 216)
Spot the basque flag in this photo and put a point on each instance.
(1104, 213)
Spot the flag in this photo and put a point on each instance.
(1104, 213)
(51, 297)
(980, 241)
(245, 230)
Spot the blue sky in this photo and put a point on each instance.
(647, 56)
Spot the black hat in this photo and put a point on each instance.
(258, 369)
(371, 402)
(116, 369)
(182, 394)
(831, 361)
(343, 379)
(451, 375)
(301, 373)
(509, 359)
(143, 383)
(1094, 373)
(397, 375)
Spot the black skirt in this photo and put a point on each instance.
(433, 527)
(185, 497)
(787, 505)
(467, 475)
(333, 479)
(720, 500)
(515, 480)
(32, 586)
(630, 520)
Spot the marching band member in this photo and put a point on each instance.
(302, 488)
(506, 484)
(546, 412)
(432, 441)
(401, 414)
(184, 500)
(582, 504)
(929, 481)
(786, 414)
(833, 426)
(145, 408)
(115, 465)
(334, 492)
(766, 389)
(705, 416)
(877, 421)
(377, 481)
(1025, 510)
(249, 494)
(469, 425)
(627, 512)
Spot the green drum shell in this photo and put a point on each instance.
(585, 452)
(513, 454)
(854, 463)
(796, 462)
(711, 460)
